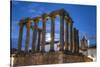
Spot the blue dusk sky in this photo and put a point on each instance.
(83, 16)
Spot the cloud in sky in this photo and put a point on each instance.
(48, 37)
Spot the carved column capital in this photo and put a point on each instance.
(28, 22)
(70, 21)
(67, 19)
(62, 13)
(52, 16)
(36, 19)
(21, 23)
(44, 17)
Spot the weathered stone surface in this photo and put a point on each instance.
(48, 58)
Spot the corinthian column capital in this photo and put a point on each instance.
(52, 15)
(71, 21)
(21, 23)
(44, 17)
(36, 19)
(28, 22)
(67, 19)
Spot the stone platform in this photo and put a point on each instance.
(48, 58)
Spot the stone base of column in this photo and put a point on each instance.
(67, 52)
(61, 50)
(38, 51)
(52, 50)
(43, 51)
(33, 52)
(48, 58)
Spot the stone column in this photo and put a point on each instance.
(71, 35)
(62, 31)
(34, 38)
(39, 39)
(43, 32)
(73, 45)
(20, 36)
(28, 23)
(66, 35)
(74, 30)
(77, 41)
(52, 33)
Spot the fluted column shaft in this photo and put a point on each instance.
(27, 36)
(52, 33)
(66, 36)
(34, 37)
(77, 41)
(43, 33)
(71, 36)
(74, 30)
(39, 37)
(20, 37)
(62, 32)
